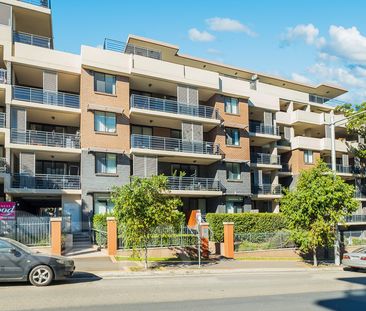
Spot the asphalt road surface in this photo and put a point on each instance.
(310, 290)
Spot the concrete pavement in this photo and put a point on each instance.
(296, 290)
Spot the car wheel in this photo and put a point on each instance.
(41, 276)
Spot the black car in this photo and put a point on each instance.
(20, 263)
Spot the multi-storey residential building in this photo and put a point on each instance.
(73, 126)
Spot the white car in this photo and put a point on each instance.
(356, 259)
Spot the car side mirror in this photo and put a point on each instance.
(12, 251)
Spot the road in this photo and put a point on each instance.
(305, 290)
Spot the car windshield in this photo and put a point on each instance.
(360, 250)
(23, 247)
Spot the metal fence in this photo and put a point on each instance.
(260, 128)
(2, 119)
(31, 39)
(265, 158)
(165, 237)
(267, 189)
(173, 144)
(46, 181)
(193, 184)
(42, 138)
(122, 47)
(40, 96)
(172, 106)
(354, 238)
(42, 3)
(251, 241)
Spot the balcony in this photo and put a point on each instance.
(204, 152)
(263, 134)
(3, 165)
(27, 38)
(341, 169)
(45, 181)
(47, 139)
(122, 47)
(4, 76)
(355, 219)
(40, 96)
(285, 170)
(161, 109)
(2, 120)
(267, 191)
(265, 160)
(41, 3)
(360, 194)
(194, 186)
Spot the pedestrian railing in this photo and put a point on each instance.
(31, 39)
(46, 181)
(2, 120)
(260, 128)
(40, 96)
(264, 158)
(173, 144)
(41, 138)
(163, 237)
(267, 189)
(193, 184)
(251, 241)
(41, 3)
(122, 47)
(172, 106)
(4, 76)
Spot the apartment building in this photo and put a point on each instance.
(74, 126)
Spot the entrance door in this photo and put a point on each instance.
(74, 211)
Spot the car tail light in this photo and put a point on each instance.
(363, 258)
(346, 257)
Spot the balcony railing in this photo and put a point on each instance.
(41, 3)
(259, 128)
(285, 168)
(283, 143)
(45, 181)
(31, 39)
(264, 158)
(122, 47)
(3, 165)
(2, 120)
(194, 184)
(360, 194)
(324, 100)
(355, 218)
(4, 76)
(41, 138)
(40, 96)
(267, 189)
(173, 144)
(172, 106)
(342, 169)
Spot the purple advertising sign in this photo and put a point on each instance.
(7, 210)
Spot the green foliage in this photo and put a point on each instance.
(142, 206)
(246, 222)
(356, 124)
(100, 224)
(314, 208)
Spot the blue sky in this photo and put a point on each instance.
(308, 41)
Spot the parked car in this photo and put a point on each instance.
(19, 263)
(355, 259)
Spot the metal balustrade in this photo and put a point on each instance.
(40, 96)
(2, 120)
(265, 158)
(4, 76)
(122, 47)
(342, 169)
(41, 138)
(173, 144)
(260, 128)
(41, 3)
(172, 106)
(46, 181)
(193, 184)
(31, 39)
(3, 165)
(267, 189)
(355, 218)
(324, 100)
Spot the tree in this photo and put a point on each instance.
(315, 206)
(356, 125)
(142, 206)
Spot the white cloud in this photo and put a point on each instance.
(228, 24)
(300, 78)
(347, 43)
(307, 32)
(202, 36)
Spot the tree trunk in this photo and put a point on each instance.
(315, 258)
(145, 255)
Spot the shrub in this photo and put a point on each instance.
(246, 222)
(100, 224)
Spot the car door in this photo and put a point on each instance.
(12, 261)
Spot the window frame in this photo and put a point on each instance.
(105, 154)
(105, 75)
(104, 113)
(228, 102)
(232, 129)
(308, 154)
(230, 168)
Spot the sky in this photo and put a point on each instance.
(308, 41)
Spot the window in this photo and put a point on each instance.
(176, 134)
(4, 247)
(234, 205)
(104, 83)
(308, 156)
(102, 204)
(232, 136)
(105, 163)
(184, 169)
(233, 171)
(231, 105)
(104, 122)
(141, 130)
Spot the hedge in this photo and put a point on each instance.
(100, 224)
(245, 222)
